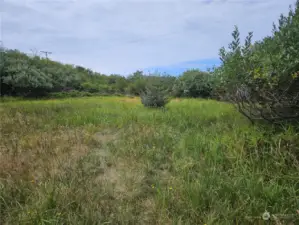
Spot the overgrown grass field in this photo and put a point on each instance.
(109, 160)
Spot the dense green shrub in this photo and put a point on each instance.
(193, 83)
(262, 78)
(153, 97)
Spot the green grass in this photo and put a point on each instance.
(109, 160)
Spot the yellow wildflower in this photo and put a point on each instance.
(295, 75)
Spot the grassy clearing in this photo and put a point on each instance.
(109, 160)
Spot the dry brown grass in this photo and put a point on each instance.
(177, 100)
(132, 100)
(41, 154)
(119, 173)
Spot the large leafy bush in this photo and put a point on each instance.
(193, 83)
(262, 78)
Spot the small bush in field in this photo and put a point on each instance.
(153, 98)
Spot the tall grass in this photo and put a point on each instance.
(109, 160)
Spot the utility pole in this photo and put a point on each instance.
(46, 53)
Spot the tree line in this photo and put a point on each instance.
(261, 78)
(35, 76)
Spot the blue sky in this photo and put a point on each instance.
(121, 36)
(179, 68)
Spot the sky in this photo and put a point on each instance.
(122, 36)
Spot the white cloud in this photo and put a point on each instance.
(114, 36)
